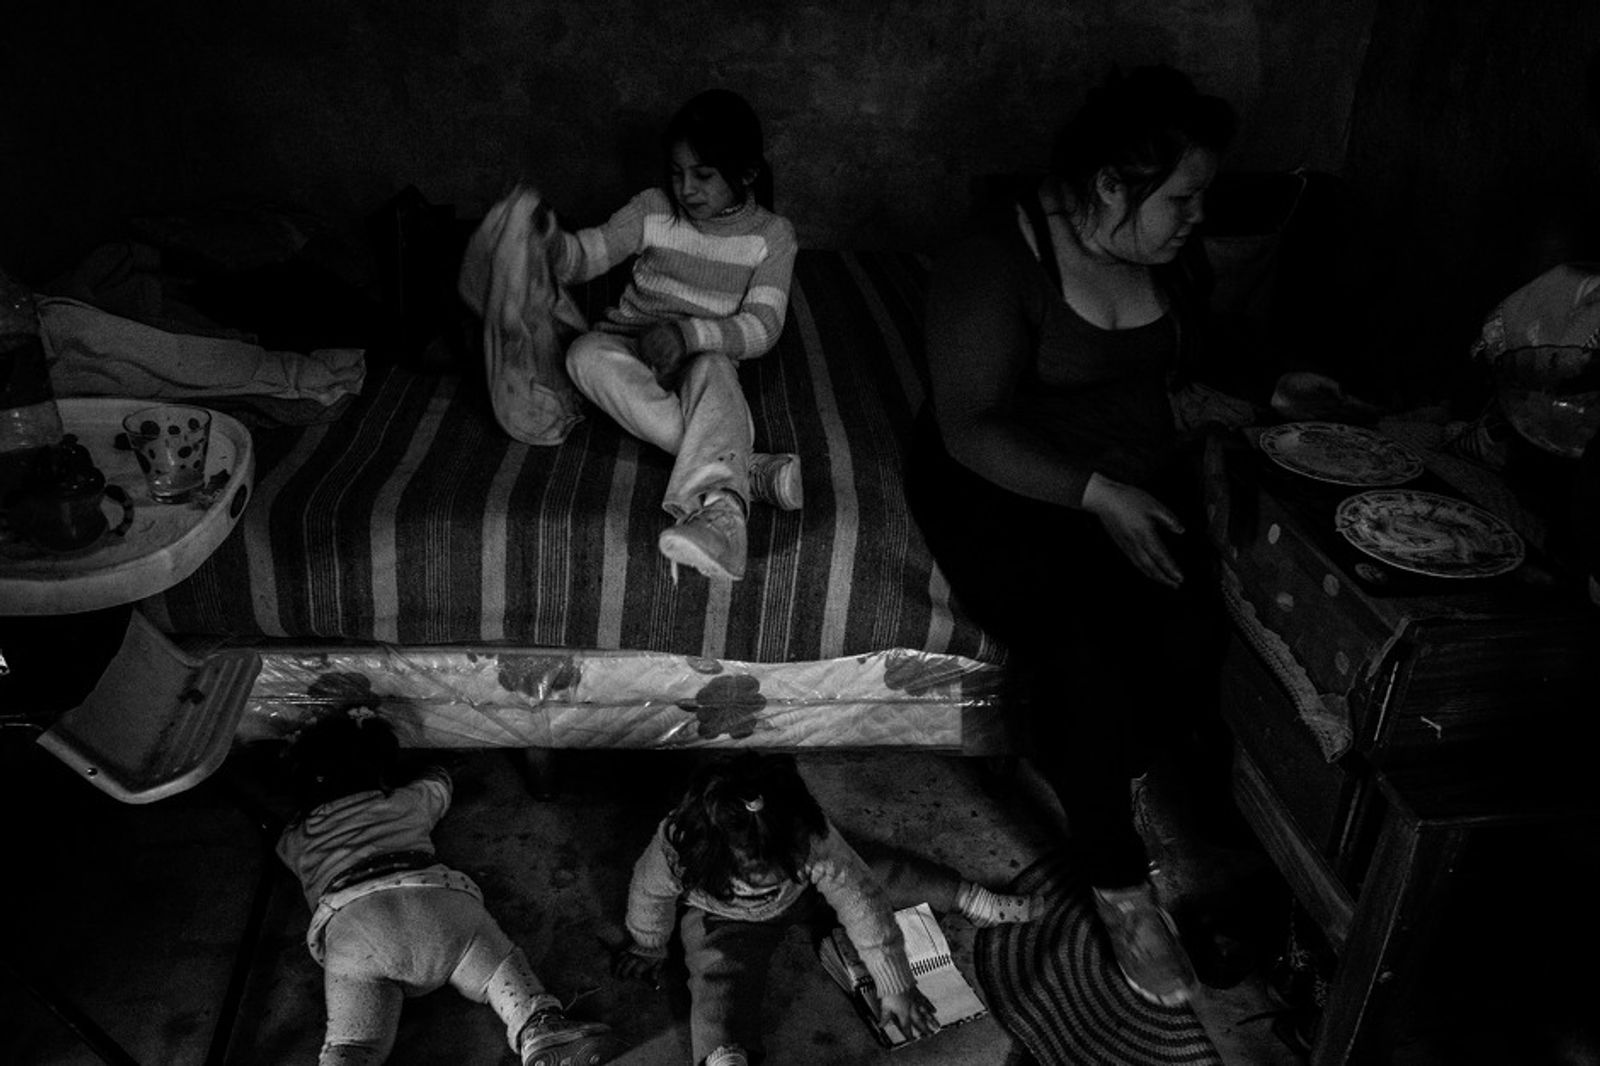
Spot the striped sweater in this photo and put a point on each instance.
(724, 281)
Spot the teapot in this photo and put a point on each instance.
(60, 507)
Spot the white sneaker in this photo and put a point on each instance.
(551, 1039)
(712, 540)
(1145, 944)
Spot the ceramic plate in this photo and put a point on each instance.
(1429, 534)
(1344, 455)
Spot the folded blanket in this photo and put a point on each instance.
(94, 353)
(506, 277)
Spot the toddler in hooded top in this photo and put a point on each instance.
(709, 288)
(389, 920)
(747, 854)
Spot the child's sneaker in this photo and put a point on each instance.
(552, 1039)
(1145, 944)
(712, 540)
(775, 480)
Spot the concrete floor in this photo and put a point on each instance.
(136, 911)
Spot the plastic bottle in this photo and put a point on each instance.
(30, 422)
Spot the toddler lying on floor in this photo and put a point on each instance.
(389, 920)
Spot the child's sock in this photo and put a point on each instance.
(544, 1003)
(984, 908)
(728, 1055)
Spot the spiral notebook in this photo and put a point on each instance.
(938, 978)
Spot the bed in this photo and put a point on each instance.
(412, 558)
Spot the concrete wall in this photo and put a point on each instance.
(879, 113)
(1476, 154)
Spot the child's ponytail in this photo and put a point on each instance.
(753, 807)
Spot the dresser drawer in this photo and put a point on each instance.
(1416, 662)
(1449, 683)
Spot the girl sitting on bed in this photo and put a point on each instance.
(388, 919)
(750, 854)
(709, 289)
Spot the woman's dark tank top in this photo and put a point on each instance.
(1101, 393)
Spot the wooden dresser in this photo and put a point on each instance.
(1381, 717)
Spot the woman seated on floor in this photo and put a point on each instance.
(1049, 479)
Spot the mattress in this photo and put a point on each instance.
(413, 530)
(446, 697)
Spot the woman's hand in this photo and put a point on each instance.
(662, 349)
(911, 1011)
(633, 963)
(1134, 519)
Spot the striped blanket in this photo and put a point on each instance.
(414, 520)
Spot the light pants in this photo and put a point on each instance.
(706, 423)
(408, 941)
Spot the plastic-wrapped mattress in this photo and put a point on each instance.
(478, 697)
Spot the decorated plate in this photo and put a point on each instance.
(1429, 534)
(1344, 455)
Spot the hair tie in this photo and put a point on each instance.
(754, 805)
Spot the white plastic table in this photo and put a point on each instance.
(157, 720)
(165, 543)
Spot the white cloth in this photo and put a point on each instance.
(94, 353)
(506, 277)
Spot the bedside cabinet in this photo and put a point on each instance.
(1380, 717)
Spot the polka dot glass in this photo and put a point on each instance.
(169, 441)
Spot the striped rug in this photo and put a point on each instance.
(1053, 985)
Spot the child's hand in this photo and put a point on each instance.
(663, 351)
(911, 1011)
(633, 963)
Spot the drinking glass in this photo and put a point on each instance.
(169, 441)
